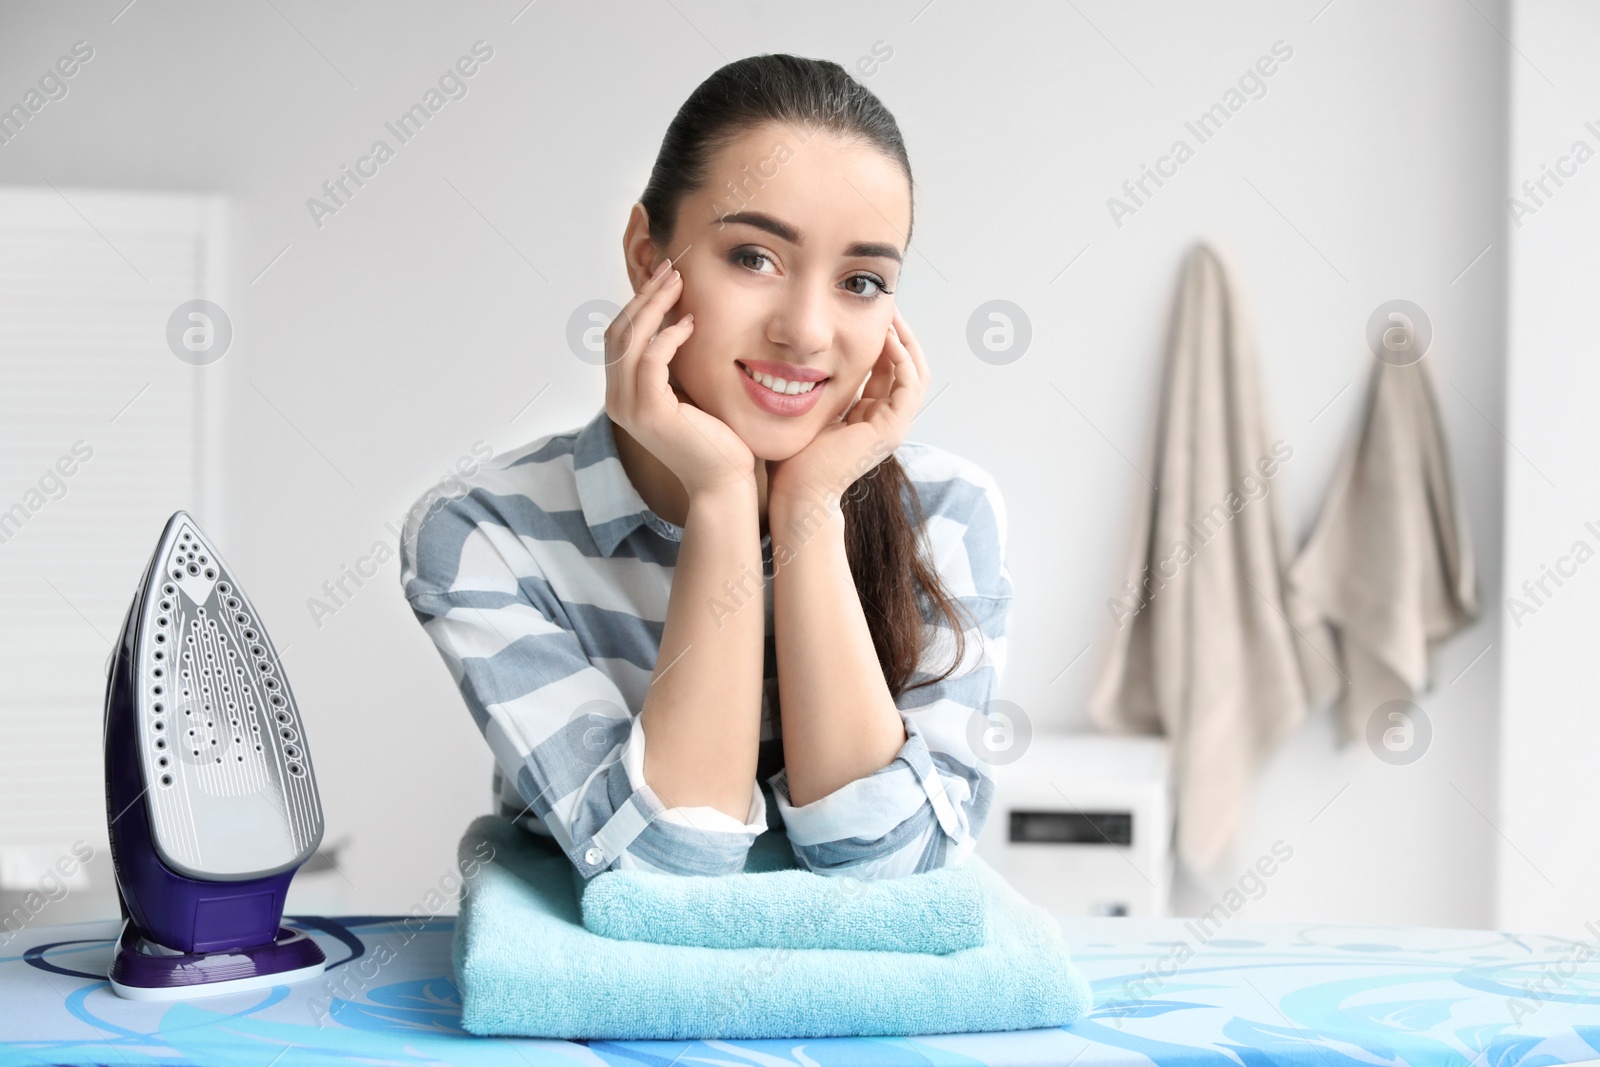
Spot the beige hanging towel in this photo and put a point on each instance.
(1389, 567)
(1203, 649)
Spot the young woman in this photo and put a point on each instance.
(743, 528)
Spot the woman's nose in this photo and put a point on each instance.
(803, 320)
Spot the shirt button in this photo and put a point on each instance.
(594, 855)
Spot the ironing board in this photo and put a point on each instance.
(1252, 994)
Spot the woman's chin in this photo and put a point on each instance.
(777, 455)
(766, 444)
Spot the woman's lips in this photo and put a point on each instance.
(790, 371)
(779, 403)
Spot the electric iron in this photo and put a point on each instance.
(210, 800)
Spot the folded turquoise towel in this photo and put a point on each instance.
(526, 966)
(936, 911)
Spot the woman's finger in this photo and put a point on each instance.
(882, 376)
(652, 377)
(658, 301)
(633, 330)
(653, 285)
(619, 347)
(909, 339)
(634, 321)
(909, 385)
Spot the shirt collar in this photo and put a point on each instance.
(612, 507)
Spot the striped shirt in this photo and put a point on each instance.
(544, 587)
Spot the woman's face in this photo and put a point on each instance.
(786, 256)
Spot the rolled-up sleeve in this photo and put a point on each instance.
(926, 808)
(558, 726)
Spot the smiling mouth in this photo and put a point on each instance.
(781, 386)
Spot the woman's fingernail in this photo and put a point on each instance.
(661, 268)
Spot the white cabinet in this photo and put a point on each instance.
(1082, 824)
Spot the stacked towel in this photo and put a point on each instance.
(936, 911)
(526, 966)
(1389, 565)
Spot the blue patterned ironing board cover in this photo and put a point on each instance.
(1264, 994)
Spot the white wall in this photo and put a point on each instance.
(1549, 821)
(431, 310)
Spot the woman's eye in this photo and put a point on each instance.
(741, 256)
(874, 279)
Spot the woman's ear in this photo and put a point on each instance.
(638, 250)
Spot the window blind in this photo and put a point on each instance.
(104, 432)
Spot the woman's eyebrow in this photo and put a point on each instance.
(779, 228)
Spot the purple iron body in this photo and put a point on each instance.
(210, 800)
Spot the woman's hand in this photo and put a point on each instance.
(696, 446)
(869, 431)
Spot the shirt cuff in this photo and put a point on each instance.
(700, 817)
(870, 807)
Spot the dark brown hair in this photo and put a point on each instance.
(882, 513)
